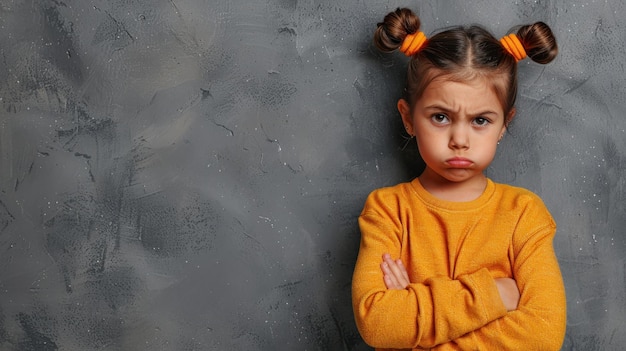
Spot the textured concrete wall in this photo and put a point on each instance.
(186, 174)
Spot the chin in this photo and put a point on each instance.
(460, 178)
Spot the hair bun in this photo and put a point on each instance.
(539, 42)
(396, 25)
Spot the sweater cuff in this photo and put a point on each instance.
(484, 284)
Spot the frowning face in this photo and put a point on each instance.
(457, 126)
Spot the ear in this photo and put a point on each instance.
(407, 119)
(509, 117)
(507, 120)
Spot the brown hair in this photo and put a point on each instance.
(463, 53)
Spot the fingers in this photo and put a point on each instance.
(395, 274)
(509, 292)
(400, 273)
(389, 278)
(391, 282)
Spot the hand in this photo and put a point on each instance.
(394, 273)
(509, 293)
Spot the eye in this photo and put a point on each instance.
(439, 118)
(481, 121)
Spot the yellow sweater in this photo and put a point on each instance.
(453, 251)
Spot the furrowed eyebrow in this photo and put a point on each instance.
(438, 108)
(448, 110)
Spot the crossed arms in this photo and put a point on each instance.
(478, 310)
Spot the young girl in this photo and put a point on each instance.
(452, 260)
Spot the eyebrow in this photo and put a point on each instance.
(447, 110)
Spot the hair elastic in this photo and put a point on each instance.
(514, 46)
(413, 43)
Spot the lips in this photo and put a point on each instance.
(459, 162)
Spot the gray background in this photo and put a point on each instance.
(186, 174)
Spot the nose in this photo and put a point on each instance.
(459, 137)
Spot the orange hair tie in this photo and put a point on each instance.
(514, 46)
(413, 43)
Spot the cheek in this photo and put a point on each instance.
(428, 148)
(493, 147)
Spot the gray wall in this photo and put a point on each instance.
(186, 174)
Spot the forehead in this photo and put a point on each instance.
(474, 95)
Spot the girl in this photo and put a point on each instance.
(452, 260)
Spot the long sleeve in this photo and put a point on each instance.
(540, 319)
(453, 252)
(424, 314)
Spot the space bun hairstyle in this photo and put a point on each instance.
(464, 53)
(539, 42)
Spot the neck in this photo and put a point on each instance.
(447, 190)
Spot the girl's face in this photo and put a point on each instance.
(457, 127)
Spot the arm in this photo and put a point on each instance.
(424, 314)
(539, 321)
(396, 277)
